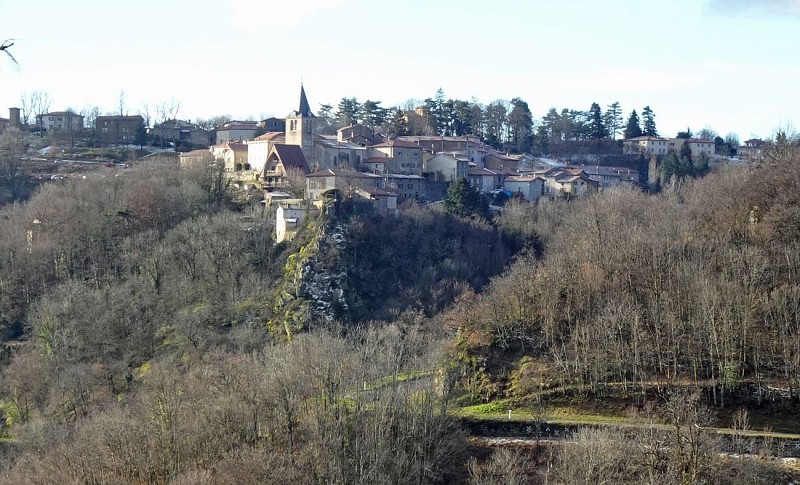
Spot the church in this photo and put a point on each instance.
(307, 147)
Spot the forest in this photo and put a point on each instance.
(154, 333)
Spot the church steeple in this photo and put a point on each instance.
(305, 109)
(301, 127)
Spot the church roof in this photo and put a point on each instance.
(291, 156)
(305, 109)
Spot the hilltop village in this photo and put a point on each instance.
(382, 157)
(297, 166)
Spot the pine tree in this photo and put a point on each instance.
(520, 126)
(686, 150)
(348, 111)
(397, 124)
(463, 199)
(462, 118)
(440, 113)
(649, 122)
(613, 119)
(597, 129)
(140, 135)
(373, 114)
(632, 129)
(542, 140)
(670, 166)
(701, 165)
(551, 123)
(496, 123)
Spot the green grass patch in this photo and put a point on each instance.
(401, 377)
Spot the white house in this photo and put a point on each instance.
(258, 149)
(289, 218)
(60, 121)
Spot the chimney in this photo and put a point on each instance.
(14, 118)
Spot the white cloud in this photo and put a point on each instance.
(256, 15)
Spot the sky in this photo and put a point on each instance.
(731, 65)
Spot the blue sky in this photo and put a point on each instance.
(732, 65)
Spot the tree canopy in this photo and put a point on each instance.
(632, 129)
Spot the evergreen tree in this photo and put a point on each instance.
(520, 126)
(542, 144)
(446, 117)
(670, 166)
(462, 118)
(551, 124)
(140, 135)
(325, 114)
(701, 165)
(685, 134)
(439, 112)
(496, 123)
(464, 200)
(567, 124)
(686, 151)
(632, 129)
(597, 128)
(397, 124)
(685, 168)
(477, 119)
(348, 111)
(373, 114)
(649, 122)
(613, 119)
(432, 111)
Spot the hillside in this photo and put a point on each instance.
(150, 308)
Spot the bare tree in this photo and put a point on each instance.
(12, 149)
(89, 114)
(145, 112)
(33, 104)
(214, 122)
(38, 104)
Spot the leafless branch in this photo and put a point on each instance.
(5, 46)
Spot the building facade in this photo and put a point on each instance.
(60, 121)
(117, 129)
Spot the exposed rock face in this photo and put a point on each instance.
(314, 285)
(324, 278)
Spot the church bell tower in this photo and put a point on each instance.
(301, 127)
